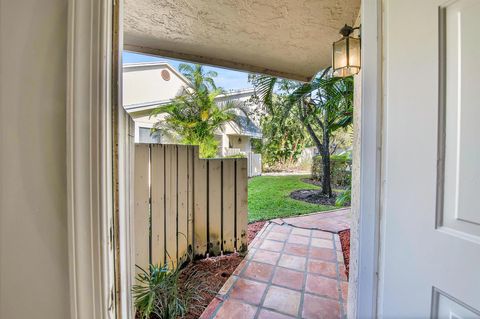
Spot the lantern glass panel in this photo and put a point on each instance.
(354, 52)
(346, 57)
(340, 54)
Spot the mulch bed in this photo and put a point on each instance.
(211, 274)
(313, 196)
(253, 229)
(345, 241)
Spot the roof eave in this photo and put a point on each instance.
(215, 62)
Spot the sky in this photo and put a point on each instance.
(227, 79)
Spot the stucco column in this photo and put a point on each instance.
(355, 203)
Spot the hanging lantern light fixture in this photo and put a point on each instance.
(346, 53)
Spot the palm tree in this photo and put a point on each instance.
(323, 105)
(200, 80)
(195, 116)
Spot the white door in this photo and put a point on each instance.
(430, 224)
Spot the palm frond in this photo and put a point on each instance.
(264, 89)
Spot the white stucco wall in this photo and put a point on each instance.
(33, 190)
(241, 142)
(143, 84)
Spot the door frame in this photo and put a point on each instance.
(99, 203)
(90, 155)
(366, 211)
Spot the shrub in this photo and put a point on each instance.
(284, 137)
(344, 199)
(158, 293)
(340, 169)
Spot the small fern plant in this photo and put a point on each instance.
(157, 294)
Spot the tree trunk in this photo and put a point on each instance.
(325, 152)
(314, 137)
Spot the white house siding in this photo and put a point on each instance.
(241, 142)
(33, 187)
(143, 83)
(144, 88)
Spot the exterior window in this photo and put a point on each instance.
(145, 135)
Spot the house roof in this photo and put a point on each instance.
(286, 38)
(138, 107)
(247, 126)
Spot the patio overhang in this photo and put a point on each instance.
(284, 38)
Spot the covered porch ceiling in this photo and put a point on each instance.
(285, 38)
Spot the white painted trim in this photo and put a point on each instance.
(89, 159)
(126, 147)
(370, 161)
(126, 155)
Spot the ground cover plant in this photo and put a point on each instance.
(158, 294)
(185, 292)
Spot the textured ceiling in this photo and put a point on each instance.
(287, 38)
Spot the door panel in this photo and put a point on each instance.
(445, 306)
(430, 239)
(460, 58)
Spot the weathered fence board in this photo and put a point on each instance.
(186, 206)
(158, 203)
(171, 198)
(190, 206)
(182, 203)
(142, 206)
(241, 204)
(214, 206)
(228, 194)
(200, 205)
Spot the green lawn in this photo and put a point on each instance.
(268, 198)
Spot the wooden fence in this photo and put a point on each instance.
(254, 162)
(186, 206)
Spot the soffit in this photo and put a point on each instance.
(286, 38)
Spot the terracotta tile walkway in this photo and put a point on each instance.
(333, 221)
(289, 272)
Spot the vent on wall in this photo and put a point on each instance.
(165, 75)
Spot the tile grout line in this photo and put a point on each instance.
(282, 286)
(305, 275)
(270, 282)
